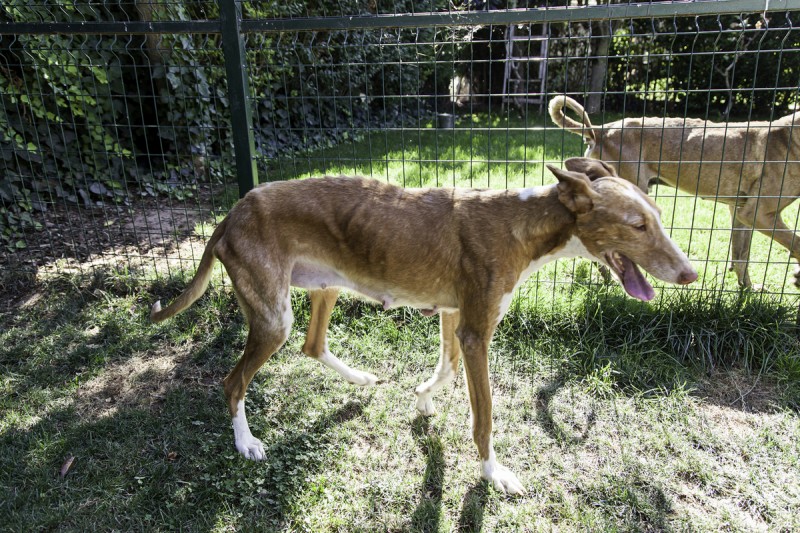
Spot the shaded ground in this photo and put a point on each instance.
(150, 230)
(138, 407)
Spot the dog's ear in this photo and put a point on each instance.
(593, 168)
(574, 190)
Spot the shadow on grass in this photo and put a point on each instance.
(473, 507)
(173, 465)
(143, 461)
(630, 501)
(293, 459)
(427, 515)
(544, 415)
(684, 340)
(175, 469)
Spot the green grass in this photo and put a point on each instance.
(680, 414)
(616, 415)
(479, 152)
(504, 152)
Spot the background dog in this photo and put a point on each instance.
(457, 252)
(753, 167)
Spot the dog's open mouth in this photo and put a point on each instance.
(631, 277)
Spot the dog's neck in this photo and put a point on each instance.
(543, 223)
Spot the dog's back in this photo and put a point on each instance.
(681, 151)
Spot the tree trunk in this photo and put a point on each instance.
(601, 43)
(146, 13)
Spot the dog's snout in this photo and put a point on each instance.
(687, 277)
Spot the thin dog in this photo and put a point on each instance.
(457, 252)
(752, 167)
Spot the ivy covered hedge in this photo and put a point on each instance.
(96, 120)
(717, 67)
(99, 119)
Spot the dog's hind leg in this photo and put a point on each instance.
(741, 237)
(268, 330)
(766, 213)
(772, 225)
(449, 355)
(316, 345)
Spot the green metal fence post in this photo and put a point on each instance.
(241, 114)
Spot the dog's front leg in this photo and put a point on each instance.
(741, 237)
(316, 345)
(475, 348)
(449, 354)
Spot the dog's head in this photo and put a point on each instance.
(620, 226)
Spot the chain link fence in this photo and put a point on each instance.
(128, 128)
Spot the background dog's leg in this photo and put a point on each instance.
(782, 234)
(779, 187)
(268, 330)
(741, 237)
(766, 214)
(316, 345)
(475, 349)
(449, 354)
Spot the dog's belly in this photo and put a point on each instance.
(310, 276)
(314, 277)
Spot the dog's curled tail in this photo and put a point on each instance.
(197, 286)
(556, 108)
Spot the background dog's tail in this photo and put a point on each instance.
(556, 108)
(197, 286)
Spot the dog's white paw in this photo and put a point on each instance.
(425, 404)
(251, 448)
(361, 378)
(501, 478)
(351, 375)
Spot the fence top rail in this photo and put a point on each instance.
(416, 20)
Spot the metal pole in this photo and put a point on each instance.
(241, 115)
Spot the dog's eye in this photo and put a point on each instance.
(641, 227)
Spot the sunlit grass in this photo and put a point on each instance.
(478, 152)
(618, 415)
(507, 152)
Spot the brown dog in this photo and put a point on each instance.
(753, 167)
(459, 252)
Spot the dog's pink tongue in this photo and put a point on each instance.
(634, 281)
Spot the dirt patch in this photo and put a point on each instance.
(746, 392)
(140, 382)
(143, 236)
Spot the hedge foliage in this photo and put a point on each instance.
(95, 120)
(715, 67)
(98, 119)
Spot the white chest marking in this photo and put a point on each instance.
(573, 248)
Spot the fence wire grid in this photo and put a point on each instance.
(127, 129)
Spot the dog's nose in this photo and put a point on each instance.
(687, 277)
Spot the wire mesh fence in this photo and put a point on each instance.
(128, 128)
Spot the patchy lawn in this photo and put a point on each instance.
(609, 417)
